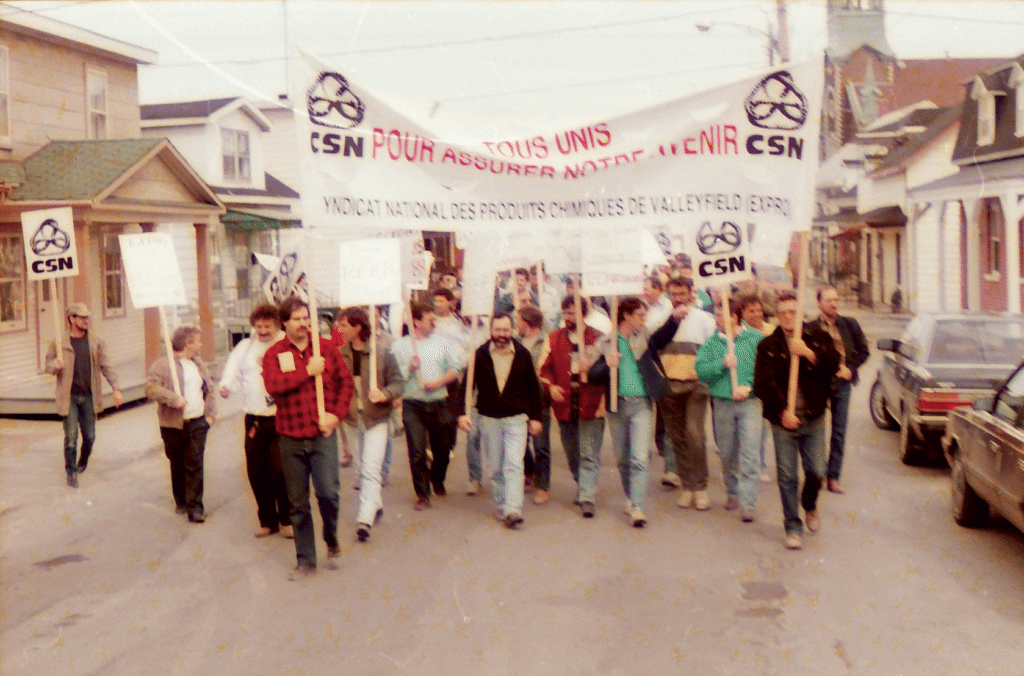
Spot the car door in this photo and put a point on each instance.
(1001, 453)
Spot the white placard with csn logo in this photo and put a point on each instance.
(151, 268)
(49, 236)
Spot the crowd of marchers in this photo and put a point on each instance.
(649, 367)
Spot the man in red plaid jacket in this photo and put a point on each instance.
(309, 444)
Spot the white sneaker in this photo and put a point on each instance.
(474, 488)
(685, 499)
(701, 501)
(638, 518)
(628, 509)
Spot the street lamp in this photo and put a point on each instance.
(773, 43)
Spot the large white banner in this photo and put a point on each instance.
(745, 153)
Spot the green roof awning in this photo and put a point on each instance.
(235, 221)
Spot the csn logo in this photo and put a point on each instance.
(331, 103)
(720, 244)
(776, 104)
(49, 240)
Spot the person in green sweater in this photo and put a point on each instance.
(736, 412)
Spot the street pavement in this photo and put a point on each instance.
(106, 579)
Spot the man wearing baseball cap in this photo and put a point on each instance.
(78, 364)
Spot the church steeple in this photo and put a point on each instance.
(853, 24)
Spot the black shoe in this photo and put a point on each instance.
(73, 479)
(379, 515)
(197, 517)
(588, 509)
(180, 509)
(82, 464)
(439, 490)
(512, 520)
(363, 532)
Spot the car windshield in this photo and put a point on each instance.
(976, 341)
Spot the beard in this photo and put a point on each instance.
(501, 341)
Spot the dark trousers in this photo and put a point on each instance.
(263, 465)
(839, 403)
(427, 422)
(184, 449)
(538, 453)
(80, 416)
(684, 409)
(301, 461)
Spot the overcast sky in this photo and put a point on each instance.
(552, 61)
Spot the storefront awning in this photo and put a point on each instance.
(237, 221)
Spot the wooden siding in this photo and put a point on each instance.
(47, 89)
(155, 181)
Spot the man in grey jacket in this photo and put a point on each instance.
(78, 365)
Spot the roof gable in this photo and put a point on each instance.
(136, 170)
(197, 113)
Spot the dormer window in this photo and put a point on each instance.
(986, 112)
(1016, 83)
(235, 153)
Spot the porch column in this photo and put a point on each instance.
(204, 290)
(973, 270)
(154, 341)
(911, 295)
(80, 289)
(1012, 212)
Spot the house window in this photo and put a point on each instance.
(235, 152)
(113, 277)
(5, 98)
(995, 243)
(1016, 82)
(987, 119)
(12, 283)
(96, 103)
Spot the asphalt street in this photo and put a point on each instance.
(106, 579)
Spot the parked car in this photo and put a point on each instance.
(941, 362)
(985, 449)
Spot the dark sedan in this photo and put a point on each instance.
(941, 363)
(985, 449)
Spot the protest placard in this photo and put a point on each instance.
(369, 272)
(151, 269)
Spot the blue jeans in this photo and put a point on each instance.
(738, 427)
(504, 440)
(581, 440)
(316, 459)
(839, 402)
(806, 443)
(474, 460)
(663, 441)
(82, 416)
(371, 446)
(632, 428)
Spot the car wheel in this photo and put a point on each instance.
(969, 509)
(879, 414)
(910, 444)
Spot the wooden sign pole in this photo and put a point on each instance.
(801, 292)
(471, 367)
(373, 346)
(170, 352)
(730, 346)
(57, 333)
(613, 404)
